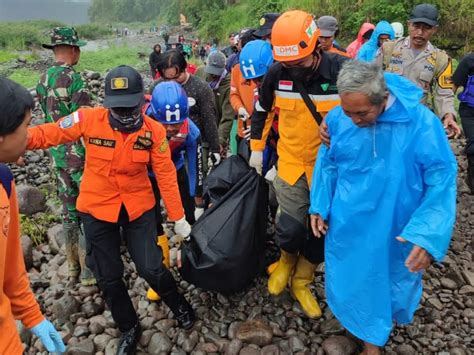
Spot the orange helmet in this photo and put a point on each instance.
(294, 36)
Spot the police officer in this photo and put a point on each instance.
(418, 60)
(61, 91)
(117, 195)
(302, 66)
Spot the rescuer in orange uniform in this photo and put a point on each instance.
(17, 301)
(116, 193)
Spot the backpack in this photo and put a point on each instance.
(6, 178)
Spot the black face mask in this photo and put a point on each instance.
(301, 74)
(127, 120)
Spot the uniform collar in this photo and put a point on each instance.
(324, 68)
(407, 44)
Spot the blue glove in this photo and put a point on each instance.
(49, 336)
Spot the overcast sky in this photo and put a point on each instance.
(67, 11)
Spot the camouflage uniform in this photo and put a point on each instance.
(61, 91)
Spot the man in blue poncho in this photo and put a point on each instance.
(384, 194)
(383, 32)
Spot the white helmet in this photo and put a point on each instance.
(398, 29)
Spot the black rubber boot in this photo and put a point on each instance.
(182, 310)
(129, 340)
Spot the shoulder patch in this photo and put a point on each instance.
(69, 121)
(445, 79)
(164, 146)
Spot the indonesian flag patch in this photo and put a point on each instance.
(285, 85)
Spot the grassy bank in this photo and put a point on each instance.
(98, 61)
(30, 34)
(105, 59)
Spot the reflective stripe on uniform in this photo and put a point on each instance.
(297, 96)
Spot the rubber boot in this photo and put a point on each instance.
(87, 277)
(303, 276)
(272, 267)
(162, 241)
(129, 340)
(280, 276)
(470, 172)
(71, 239)
(182, 310)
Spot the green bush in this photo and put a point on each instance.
(26, 34)
(36, 227)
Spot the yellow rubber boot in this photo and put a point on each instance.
(272, 267)
(162, 241)
(303, 276)
(280, 276)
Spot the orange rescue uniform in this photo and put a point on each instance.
(115, 171)
(17, 301)
(242, 94)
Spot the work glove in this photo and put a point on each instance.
(198, 211)
(214, 160)
(243, 114)
(256, 161)
(246, 133)
(182, 227)
(49, 336)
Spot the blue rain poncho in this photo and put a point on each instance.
(394, 178)
(368, 51)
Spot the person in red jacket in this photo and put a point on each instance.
(116, 195)
(17, 301)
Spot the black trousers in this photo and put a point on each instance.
(186, 200)
(103, 257)
(467, 119)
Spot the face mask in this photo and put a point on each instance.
(126, 119)
(301, 74)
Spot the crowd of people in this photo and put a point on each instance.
(353, 143)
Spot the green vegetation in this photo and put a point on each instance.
(93, 31)
(36, 227)
(23, 35)
(215, 19)
(105, 59)
(30, 34)
(6, 56)
(26, 77)
(99, 61)
(125, 10)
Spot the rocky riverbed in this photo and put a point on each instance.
(249, 322)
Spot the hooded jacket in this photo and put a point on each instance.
(397, 179)
(354, 47)
(369, 50)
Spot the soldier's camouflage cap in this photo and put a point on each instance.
(64, 35)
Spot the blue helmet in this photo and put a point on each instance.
(169, 103)
(255, 59)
